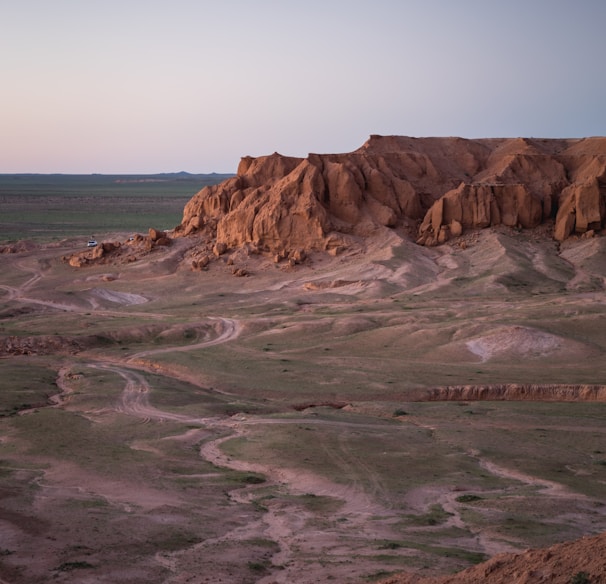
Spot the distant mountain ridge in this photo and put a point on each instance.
(434, 189)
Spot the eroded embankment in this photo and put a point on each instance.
(516, 392)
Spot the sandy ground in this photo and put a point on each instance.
(237, 512)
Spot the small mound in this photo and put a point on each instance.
(515, 341)
(519, 342)
(345, 327)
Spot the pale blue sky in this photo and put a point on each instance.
(119, 86)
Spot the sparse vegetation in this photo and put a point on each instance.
(45, 207)
(258, 566)
(580, 578)
(435, 516)
(468, 498)
(69, 566)
(302, 415)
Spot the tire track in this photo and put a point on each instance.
(229, 330)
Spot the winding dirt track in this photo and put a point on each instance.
(134, 399)
(362, 492)
(288, 530)
(229, 329)
(18, 293)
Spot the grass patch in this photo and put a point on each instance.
(435, 516)
(467, 556)
(24, 385)
(580, 578)
(468, 498)
(177, 540)
(390, 545)
(261, 542)
(259, 566)
(101, 447)
(70, 566)
(47, 207)
(320, 503)
(246, 478)
(96, 503)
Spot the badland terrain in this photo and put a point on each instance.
(385, 364)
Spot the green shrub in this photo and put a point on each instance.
(68, 566)
(468, 498)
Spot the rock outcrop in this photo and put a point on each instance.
(432, 188)
(109, 252)
(563, 563)
(517, 392)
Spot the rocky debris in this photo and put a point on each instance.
(436, 188)
(156, 234)
(76, 260)
(199, 264)
(18, 247)
(292, 258)
(157, 237)
(99, 254)
(39, 345)
(129, 251)
(581, 561)
(219, 248)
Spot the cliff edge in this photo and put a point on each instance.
(432, 189)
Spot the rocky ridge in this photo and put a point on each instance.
(431, 189)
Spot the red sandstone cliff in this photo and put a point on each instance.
(435, 188)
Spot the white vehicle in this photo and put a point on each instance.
(91, 243)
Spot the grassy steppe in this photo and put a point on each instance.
(132, 449)
(50, 207)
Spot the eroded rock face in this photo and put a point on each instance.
(436, 188)
(582, 208)
(473, 206)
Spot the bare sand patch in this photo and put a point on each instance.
(115, 297)
(518, 342)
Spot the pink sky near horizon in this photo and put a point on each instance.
(134, 86)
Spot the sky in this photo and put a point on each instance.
(146, 86)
